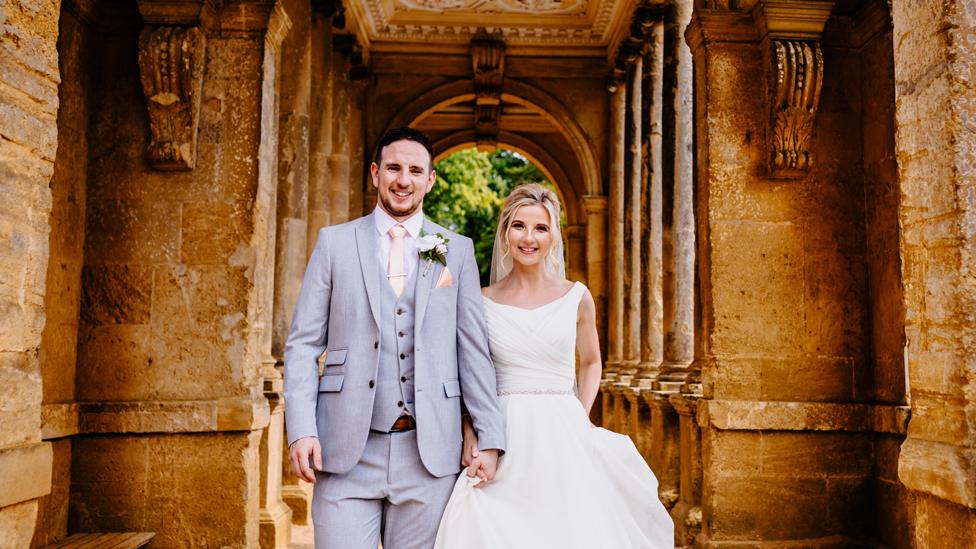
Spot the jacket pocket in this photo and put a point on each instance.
(452, 388)
(330, 383)
(335, 357)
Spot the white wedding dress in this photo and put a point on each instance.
(562, 483)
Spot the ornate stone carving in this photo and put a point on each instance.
(171, 71)
(796, 78)
(495, 6)
(488, 68)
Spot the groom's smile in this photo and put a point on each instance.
(402, 178)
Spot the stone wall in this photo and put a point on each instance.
(800, 294)
(176, 293)
(28, 147)
(69, 193)
(935, 58)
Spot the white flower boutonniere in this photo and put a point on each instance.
(432, 247)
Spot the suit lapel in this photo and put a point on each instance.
(426, 283)
(369, 261)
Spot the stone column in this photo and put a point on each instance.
(576, 252)
(633, 218)
(615, 226)
(934, 144)
(653, 330)
(679, 342)
(687, 512)
(662, 450)
(595, 208)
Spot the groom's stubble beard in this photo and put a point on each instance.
(390, 209)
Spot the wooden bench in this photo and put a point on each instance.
(117, 540)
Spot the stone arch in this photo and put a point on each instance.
(531, 97)
(529, 149)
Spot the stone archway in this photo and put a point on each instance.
(545, 130)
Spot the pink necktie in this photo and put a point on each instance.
(395, 271)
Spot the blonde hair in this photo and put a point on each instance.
(528, 195)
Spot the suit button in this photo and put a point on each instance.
(403, 379)
(372, 384)
(399, 311)
(401, 334)
(402, 356)
(400, 403)
(376, 344)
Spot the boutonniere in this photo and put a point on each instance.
(431, 248)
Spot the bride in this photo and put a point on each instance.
(563, 483)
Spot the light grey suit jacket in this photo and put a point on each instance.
(338, 311)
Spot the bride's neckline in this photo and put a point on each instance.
(560, 298)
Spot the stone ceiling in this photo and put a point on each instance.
(574, 24)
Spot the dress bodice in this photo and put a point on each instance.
(534, 350)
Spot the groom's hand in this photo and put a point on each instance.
(469, 447)
(300, 452)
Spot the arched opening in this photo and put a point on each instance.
(471, 188)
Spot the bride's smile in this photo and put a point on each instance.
(529, 237)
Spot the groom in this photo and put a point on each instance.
(403, 334)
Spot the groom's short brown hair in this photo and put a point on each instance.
(401, 134)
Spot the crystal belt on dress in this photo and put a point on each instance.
(537, 392)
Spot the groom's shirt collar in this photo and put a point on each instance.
(384, 222)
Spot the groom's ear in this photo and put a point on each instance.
(374, 171)
(431, 180)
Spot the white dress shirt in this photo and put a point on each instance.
(413, 225)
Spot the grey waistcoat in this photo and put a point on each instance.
(394, 379)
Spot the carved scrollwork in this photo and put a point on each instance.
(171, 72)
(795, 84)
(488, 68)
(495, 6)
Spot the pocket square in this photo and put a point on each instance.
(446, 279)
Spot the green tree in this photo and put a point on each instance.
(470, 190)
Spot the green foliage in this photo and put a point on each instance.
(468, 195)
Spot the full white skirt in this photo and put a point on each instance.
(562, 483)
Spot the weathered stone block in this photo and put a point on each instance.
(943, 525)
(757, 273)
(804, 454)
(116, 293)
(114, 362)
(895, 514)
(110, 476)
(57, 359)
(739, 507)
(20, 398)
(213, 231)
(938, 418)
(52, 513)
(26, 473)
(807, 379)
(131, 231)
(17, 524)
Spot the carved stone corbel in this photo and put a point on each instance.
(488, 67)
(791, 31)
(171, 71)
(795, 84)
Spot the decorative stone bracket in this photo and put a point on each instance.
(796, 78)
(790, 31)
(171, 70)
(488, 68)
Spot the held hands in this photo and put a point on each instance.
(300, 452)
(481, 464)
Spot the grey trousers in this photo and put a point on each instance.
(388, 494)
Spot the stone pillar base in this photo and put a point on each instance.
(298, 498)
(275, 527)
